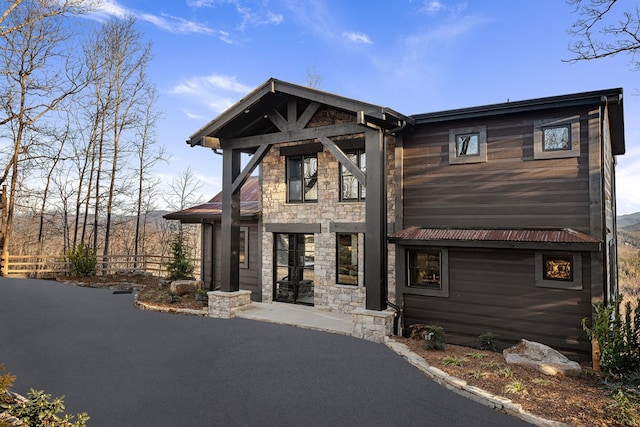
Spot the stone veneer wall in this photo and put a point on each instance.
(328, 209)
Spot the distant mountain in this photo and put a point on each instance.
(629, 230)
(629, 221)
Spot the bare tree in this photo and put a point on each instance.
(48, 9)
(604, 28)
(119, 62)
(38, 72)
(183, 193)
(313, 78)
(148, 155)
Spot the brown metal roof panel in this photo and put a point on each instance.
(565, 235)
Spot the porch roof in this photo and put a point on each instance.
(249, 115)
(565, 238)
(249, 205)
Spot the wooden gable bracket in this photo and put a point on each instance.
(343, 159)
(292, 122)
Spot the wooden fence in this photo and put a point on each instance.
(38, 266)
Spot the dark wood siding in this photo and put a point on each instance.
(510, 190)
(249, 277)
(494, 291)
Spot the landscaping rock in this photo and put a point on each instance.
(541, 357)
(183, 287)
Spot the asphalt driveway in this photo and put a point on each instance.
(128, 367)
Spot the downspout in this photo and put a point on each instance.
(398, 310)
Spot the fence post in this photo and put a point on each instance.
(4, 261)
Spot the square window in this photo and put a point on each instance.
(556, 138)
(467, 145)
(562, 270)
(347, 267)
(557, 268)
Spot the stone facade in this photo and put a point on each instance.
(328, 209)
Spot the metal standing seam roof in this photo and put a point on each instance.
(249, 205)
(537, 236)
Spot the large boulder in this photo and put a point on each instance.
(183, 287)
(541, 357)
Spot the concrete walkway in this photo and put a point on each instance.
(299, 315)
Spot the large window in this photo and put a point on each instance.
(350, 188)
(302, 179)
(347, 258)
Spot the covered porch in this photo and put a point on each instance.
(279, 121)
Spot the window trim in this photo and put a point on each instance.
(539, 153)
(576, 269)
(357, 265)
(302, 158)
(481, 157)
(443, 292)
(361, 188)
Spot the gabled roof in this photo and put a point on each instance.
(567, 238)
(611, 97)
(249, 205)
(247, 116)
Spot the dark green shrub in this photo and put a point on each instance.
(618, 337)
(179, 267)
(82, 261)
(38, 409)
(433, 336)
(488, 341)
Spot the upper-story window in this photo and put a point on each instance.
(468, 145)
(302, 179)
(556, 138)
(350, 188)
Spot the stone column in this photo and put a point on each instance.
(372, 325)
(224, 305)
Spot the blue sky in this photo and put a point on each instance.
(414, 56)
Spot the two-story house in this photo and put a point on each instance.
(498, 218)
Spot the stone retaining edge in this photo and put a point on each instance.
(461, 387)
(164, 309)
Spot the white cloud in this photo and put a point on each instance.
(172, 24)
(432, 7)
(216, 92)
(357, 37)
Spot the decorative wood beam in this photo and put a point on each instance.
(249, 168)
(307, 115)
(277, 119)
(343, 159)
(291, 135)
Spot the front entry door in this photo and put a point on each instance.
(294, 268)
